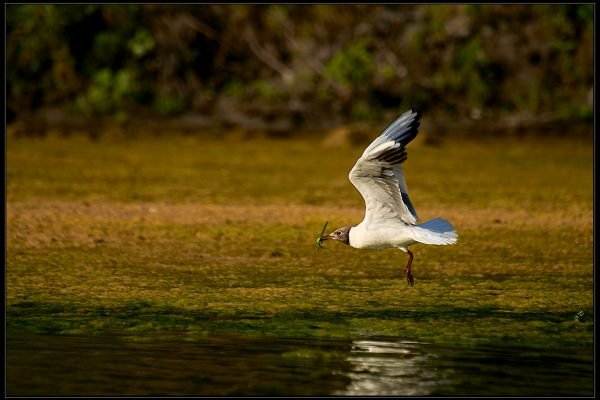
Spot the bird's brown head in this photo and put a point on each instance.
(341, 234)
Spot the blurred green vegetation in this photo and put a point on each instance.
(311, 62)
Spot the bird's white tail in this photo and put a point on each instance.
(435, 231)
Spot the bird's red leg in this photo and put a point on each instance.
(409, 277)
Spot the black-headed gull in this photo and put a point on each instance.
(390, 218)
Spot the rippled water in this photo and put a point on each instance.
(237, 365)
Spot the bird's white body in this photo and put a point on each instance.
(401, 235)
(364, 236)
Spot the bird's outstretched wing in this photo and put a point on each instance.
(379, 177)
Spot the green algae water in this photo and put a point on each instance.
(112, 243)
(230, 365)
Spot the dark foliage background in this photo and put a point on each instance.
(293, 66)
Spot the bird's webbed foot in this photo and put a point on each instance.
(409, 278)
(407, 273)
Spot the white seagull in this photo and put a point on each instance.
(390, 218)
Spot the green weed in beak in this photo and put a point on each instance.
(320, 238)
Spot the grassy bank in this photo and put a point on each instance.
(205, 236)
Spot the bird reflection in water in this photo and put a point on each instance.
(381, 368)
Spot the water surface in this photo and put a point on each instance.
(40, 365)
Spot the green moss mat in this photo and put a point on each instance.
(200, 236)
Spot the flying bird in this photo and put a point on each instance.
(390, 217)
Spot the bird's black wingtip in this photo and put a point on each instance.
(414, 126)
(418, 113)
